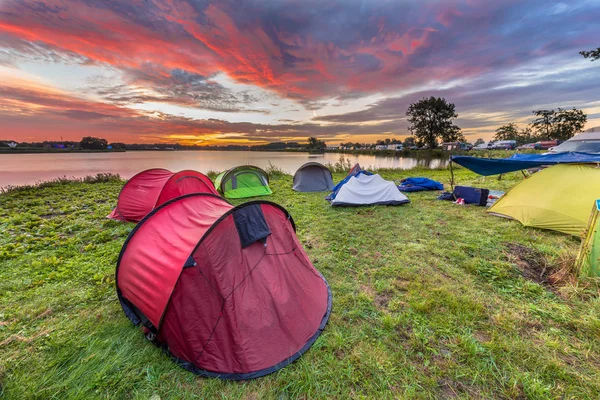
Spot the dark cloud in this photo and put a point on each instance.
(507, 99)
(84, 115)
(152, 83)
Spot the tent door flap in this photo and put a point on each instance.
(251, 224)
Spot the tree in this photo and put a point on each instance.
(453, 134)
(478, 142)
(559, 125)
(592, 54)
(526, 135)
(93, 143)
(543, 123)
(117, 146)
(568, 123)
(315, 144)
(511, 132)
(431, 119)
(507, 132)
(409, 141)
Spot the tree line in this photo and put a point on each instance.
(431, 120)
(558, 124)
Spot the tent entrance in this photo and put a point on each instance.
(244, 181)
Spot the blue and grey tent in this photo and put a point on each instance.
(363, 188)
(518, 162)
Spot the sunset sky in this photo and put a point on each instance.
(221, 72)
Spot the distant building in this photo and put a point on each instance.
(449, 146)
(396, 147)
(381, 147)
(12, 145)
(333, 147)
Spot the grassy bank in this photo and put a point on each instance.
(429, 301)
(437, 153)
(40, 150)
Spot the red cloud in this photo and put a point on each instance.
(206, 42)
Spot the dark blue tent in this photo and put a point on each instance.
(518, 162)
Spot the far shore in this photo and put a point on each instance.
(435, 153)
(16, 150)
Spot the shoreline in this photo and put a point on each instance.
(419, 154)
(55, 151)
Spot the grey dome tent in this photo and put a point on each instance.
(312, 177)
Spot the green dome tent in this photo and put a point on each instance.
(588, 260)
(243, 181)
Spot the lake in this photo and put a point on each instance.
(21, 169)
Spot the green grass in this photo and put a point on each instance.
(428, 302)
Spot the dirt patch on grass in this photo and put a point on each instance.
(401, 284)
(365, 212)
(23, 339)
(383, 299)
(532, 264)
(339, 354)
(535, 267)
(482, 337)
(452, 389)
(44, 314)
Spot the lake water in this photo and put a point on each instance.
(21, 169)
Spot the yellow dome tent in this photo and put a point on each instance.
(557, 198)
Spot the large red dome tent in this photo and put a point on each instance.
(227, 291)
(153, 187)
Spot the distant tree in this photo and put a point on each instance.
(430, 119)
(592, 54)
(93, 143)
(380, 143)
(526, 135)
(543, 123)
(568, 123)
(315, 144)
(409, 141)
(507, 132)
(478, 142)
(387, 141)
(511, 132)
(117, 146)
(453, 134)
(560, 125)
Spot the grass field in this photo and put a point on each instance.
(429, 301)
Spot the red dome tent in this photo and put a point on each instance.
(153, 187)
(227, 291)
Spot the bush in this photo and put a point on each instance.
(98, 178)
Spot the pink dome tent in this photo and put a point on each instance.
(153, 187)
(226, 291)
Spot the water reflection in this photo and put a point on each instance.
(19, 169)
